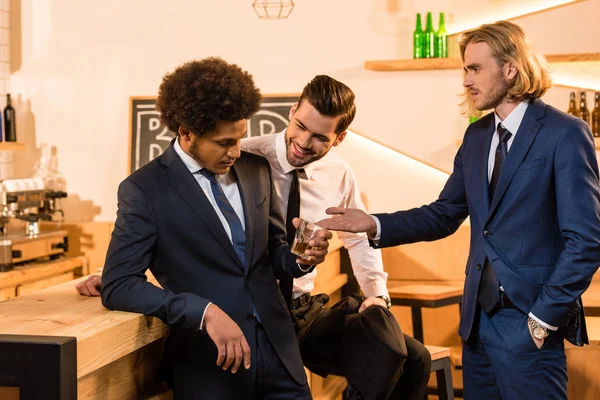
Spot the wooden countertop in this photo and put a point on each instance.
(102, 336)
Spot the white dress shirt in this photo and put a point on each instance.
(230, 189)
(328, 182)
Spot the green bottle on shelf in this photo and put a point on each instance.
(429, 42)
(418, 38)
(441, 39)
(472, 119)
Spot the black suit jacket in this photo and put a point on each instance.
(166, 223)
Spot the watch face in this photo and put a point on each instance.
(539, 333)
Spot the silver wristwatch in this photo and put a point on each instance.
(388, 302)
(539, 332)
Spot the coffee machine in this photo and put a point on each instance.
(29, 201)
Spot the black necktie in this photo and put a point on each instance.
(293, 210)
(489, 294)
(238, 237)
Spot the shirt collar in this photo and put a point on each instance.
(514, 119)
(281, 151)
(189, 162)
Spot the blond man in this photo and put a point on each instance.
(527, 176)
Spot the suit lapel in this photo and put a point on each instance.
(528, 130)
(245, 186)
(192, 194)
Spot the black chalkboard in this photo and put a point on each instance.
(149, 138)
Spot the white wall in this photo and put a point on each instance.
(76, 62)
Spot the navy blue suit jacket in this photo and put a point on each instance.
(166, 223)
(542, 231)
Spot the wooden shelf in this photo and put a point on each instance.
(427, 64)
(14, 146)
(423, 64)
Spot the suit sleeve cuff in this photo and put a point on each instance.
(203, 315)
(542, 323)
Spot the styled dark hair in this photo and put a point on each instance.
(331, 98)
(199, 94)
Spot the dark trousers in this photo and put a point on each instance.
(193, 374)
(273, 381)
(502, 361)
(335, 341)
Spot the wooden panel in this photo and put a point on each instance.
(9, 393)
(424, 290)
(330, 388)
(423, 64)
(44, 283)
(441, 260)
(12, 146)
(90, 239)
(60, 311)
(124, 378)
(8, 293)
(35, 271)
(427, 64)
(582, 364)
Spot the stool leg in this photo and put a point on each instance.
(444, 380)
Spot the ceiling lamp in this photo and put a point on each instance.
(273, 9)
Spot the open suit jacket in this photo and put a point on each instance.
(541, 233)
(166, 223)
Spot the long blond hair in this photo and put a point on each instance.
(509, 44)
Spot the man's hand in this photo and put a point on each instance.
(538, 342)
(372, 301)
(229, 339)
(90, 287)
(349, 220)
(319, 247)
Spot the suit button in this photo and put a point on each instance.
(487, 233)
(250, 317)
(478, 267)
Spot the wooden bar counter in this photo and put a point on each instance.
(117, 353)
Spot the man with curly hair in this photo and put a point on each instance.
(211, 234)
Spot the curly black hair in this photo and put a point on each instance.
(199, 94)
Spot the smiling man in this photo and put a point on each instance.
(357, 338)
(527, 176)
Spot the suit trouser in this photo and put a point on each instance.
(325, 349)
(501, 361)
(271, 381)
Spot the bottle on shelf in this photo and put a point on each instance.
(418, 39)
(429, 41)
(42, 165)
(596, 116)
(10, 124)
(573, 105)
(441, 39)
(54, 180)
(583, 111)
